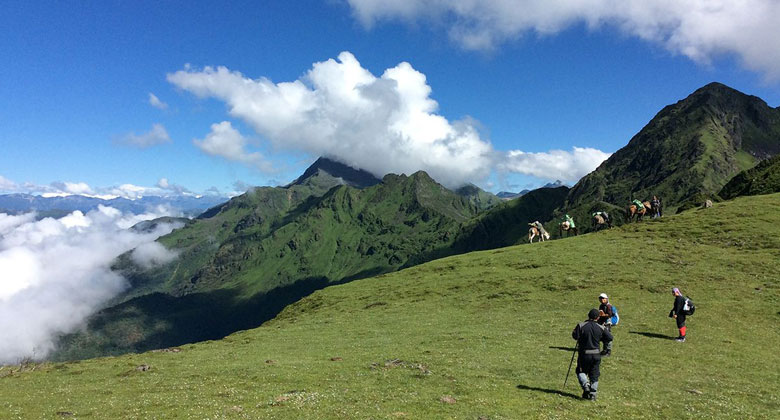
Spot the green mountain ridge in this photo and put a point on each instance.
(240, 263)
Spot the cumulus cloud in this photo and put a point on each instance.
(381, 124)
(157, 135)
(79, 188)
(226, 142)
(555, 164)
(698, 29)
(156, 102)
(56, 272)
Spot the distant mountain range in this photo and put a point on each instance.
(505, 195)
(59, 206)
(243, 261)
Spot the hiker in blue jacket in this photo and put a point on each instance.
(605, 311)
(605, 318)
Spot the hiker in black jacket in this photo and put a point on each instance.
(588, 335)
(678, 313)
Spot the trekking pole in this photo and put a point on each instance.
(570, 363)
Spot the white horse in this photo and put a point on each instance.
(534, 232)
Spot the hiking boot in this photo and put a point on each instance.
(586, 391)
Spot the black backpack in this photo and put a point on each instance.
(689, 308)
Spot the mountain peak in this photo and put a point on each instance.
(358, 178)
(716, 87)
(722, 97)
(422, 176)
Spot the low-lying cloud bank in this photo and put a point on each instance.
(56, 272)
(381, 124)
(555, 164)
(699, 29)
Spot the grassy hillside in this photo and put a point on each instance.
(764, 178)
(482, 335)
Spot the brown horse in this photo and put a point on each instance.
(534, 232)
(632, 211)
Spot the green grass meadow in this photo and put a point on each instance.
(481, 335)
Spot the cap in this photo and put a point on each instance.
(593, 314)
(603, 295)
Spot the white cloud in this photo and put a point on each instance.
(57, 272)
(78, 188)
(10, 222)
(133, 192)
(380, 124)
(699, 29)
(225, 141)
(156, 102)
(7, 185)
(157, 135)
(555, 164)
(339, 109)
(176, 189)
(130, 191)
(164, 188)
(152, 254)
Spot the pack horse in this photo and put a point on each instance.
(534, 231)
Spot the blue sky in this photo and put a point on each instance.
(522, 96)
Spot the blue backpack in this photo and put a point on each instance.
(615, 318)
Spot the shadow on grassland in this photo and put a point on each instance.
(653, 335)
(548, 391)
